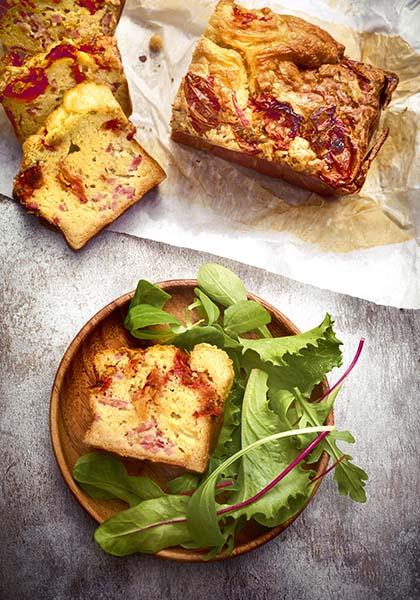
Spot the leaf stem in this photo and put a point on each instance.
(337, 462)
(347, 371)
(277, 479)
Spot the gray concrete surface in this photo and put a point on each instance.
(335, 550)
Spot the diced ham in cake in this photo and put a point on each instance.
(160, 403)
(83, 169)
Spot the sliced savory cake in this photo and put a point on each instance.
(31, 91)
(30, 26)
(160, 403)
(83, 168)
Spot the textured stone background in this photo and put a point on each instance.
(336, 549)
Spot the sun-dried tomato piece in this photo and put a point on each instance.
(16, 56)
(242, 17)
(203, 104)
(239, 112)
(282, 124)
(28, 181)
(70, 181)
(247, 146)
(92, 5)
(197, 381)
(61, 51)
(113, 125)
(29, 87)
(329, 139)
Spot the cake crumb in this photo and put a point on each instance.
(155, 43)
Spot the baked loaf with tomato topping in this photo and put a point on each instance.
(160, 403)
(30, 92)
(277, 94)
(30, 26)
(84, 169)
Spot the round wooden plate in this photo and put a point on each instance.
(70, 416)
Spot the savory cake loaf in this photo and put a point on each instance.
(30, 26)
(160, 403)
(31, 91)
(84, 169)
(277, 94)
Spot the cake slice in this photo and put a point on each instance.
(84, 169)
(31, 91)
(30, 26)
(159, 404)
(277, 94)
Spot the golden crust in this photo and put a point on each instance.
(31, 91)
(276, 93)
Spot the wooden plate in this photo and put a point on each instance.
(70, 417)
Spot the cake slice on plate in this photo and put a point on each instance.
(159, 404)
(31, 91)
(83, 168)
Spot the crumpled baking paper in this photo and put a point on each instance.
(362, 245)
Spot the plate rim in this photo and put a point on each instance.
(177, 553)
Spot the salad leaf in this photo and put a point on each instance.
(350, 478)
(296, 363)
(147, 293)
(223, 286)
(144, 315)
(274, 350)
(161, 522)
(229, 437)
(262, 465)
(245, 316)
(148, 527)
(183, 483)
(202, 513)
(210, 309)
(197, 335)
(103, 476)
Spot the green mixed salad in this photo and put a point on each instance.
(263, 466)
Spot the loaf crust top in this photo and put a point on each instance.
(280, 91)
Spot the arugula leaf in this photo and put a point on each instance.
(210, 309)
(144, 315)
(183, 483)
(350, 478)
(221, 284)
(103, 476)
(147, 293)
(244, 316)
(148, 527)
(197, 335)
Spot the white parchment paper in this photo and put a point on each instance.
(364, 246)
